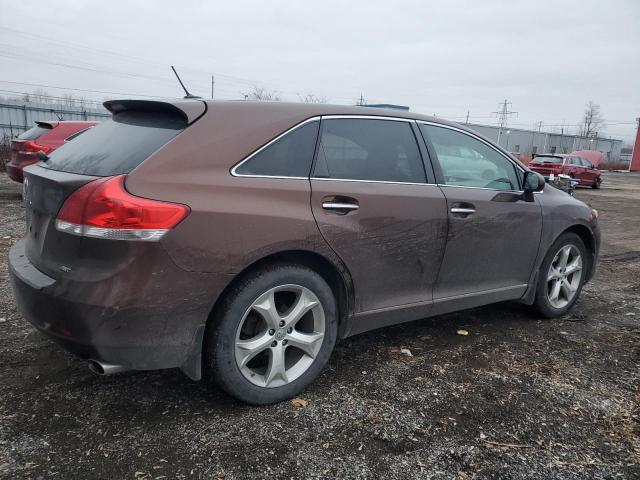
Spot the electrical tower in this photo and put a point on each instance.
(503, 116)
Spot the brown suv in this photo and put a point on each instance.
(242, 239)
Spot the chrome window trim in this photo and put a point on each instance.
(368, 117)
(250, 156)
(488, 144)
(323, 179)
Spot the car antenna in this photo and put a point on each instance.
(188, 95)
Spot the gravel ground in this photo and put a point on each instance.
(519, 397)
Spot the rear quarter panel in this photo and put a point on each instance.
(234, 221)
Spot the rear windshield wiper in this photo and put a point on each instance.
(42, 156)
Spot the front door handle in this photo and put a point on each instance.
(465, 211)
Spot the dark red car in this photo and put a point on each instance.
(44, 137)
(572, 164)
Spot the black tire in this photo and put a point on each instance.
(597, 184)
(219, 356)
(542, 303)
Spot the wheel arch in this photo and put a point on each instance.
(589, 240)
(334, 273)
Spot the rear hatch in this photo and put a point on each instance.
(25, 146)
(115, 147)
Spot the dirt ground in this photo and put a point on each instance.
(519, 397)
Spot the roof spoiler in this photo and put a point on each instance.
(190, 110)
(45, 124)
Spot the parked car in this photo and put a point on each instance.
(572, 164)
(242, 239)
(45, 137)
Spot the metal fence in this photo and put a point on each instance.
(16, 116)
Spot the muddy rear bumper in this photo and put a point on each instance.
(161, 331)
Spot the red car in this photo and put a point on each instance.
(573, 164)
(44, 137)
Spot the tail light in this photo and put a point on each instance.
(32, 147)
(104, 209)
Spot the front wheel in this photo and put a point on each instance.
(561, 276)
(273, 334)
(597, 184)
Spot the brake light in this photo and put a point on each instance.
(32, 147)
(104, 209)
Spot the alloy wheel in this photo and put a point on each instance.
(564, 276)
(280, 335)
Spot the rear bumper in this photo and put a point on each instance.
(162, 331)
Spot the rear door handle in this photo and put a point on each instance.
(340, 206)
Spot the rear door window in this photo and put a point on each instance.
(290, 155)
(369, 149)
(118, 145)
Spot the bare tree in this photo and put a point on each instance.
(592, 121)
(311, 97)
(68, 99)
(262, 95)
(42, 96)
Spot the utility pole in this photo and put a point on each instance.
(503, 115)
(361, 100)
(467, 117)
(539, 126)
(213, 82)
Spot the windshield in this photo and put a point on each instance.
(117, 146)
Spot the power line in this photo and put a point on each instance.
(503, 115)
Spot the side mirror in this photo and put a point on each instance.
(532, 182)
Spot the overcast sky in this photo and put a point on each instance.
(546, 57)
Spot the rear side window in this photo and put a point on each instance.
(117, 146)
(368, 149)
(289, 156)
(33, 133)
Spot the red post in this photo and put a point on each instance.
(635, 157)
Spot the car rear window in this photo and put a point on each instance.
(548, 159)
(33, 133)
(118, 145)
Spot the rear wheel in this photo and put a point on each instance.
(561, 276)
(272, 335)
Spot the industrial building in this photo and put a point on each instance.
(529, 142)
